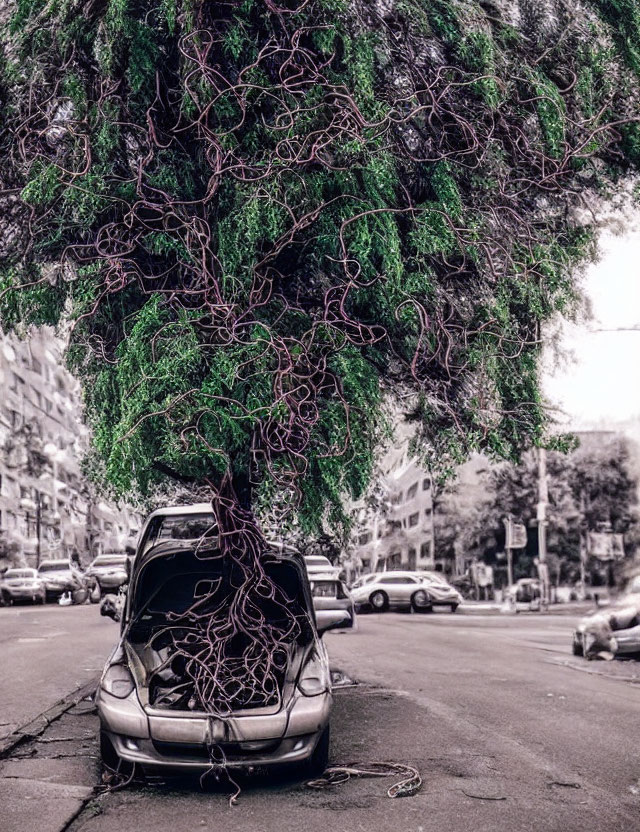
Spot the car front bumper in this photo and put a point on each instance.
(20, 593)
(111, 582)
(188, 742)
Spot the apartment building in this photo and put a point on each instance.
(46, 506)
(398, 532)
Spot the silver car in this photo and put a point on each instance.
(22, 584)
(614, 630)
(110, 570)
(385, 590)
(57, 577)
(144, 721)
(330, 593)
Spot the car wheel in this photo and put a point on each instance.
(108, 754)
(319, 760)
(577, 648)
(420, 601)
(379, 600)
(454, 607)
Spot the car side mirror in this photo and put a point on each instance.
(333, 620)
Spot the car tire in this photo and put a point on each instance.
(577, 648)
(319, 760)
(108, 754)
(454, 607)
(420, 601)
(379, 601)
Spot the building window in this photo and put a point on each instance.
(37, 398)
(426, 483)
(427, 512)
(413, 519)
(48, 406)
(36, 366)
(411, 493)
(396, 499)
(364, 538)
(425, 550)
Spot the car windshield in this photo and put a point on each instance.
(54, 566)
(179, 527)
(20, 573)
(110, 560)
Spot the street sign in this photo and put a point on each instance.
(606, 546)
(482, 574)
(516, 537)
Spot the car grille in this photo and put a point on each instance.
(213, 753)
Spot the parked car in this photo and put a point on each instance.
(22, 584)
(330, 593)
(404, 589)
(57, 577)
(319, 563)
(110, 571)
(614, 630)
(143, 723)
(525, 595)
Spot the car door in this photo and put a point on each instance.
(396, 587)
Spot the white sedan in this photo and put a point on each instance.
(384, 590)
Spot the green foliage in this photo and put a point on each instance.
(269, 224)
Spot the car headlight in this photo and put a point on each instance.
(118, 681)
(314, 678)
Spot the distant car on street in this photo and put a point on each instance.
(57, 577)
(613, 630)
(397, 589)
(330, 593)
(22, 584)
(110, 571)
(319, 563)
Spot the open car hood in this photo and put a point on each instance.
(176, 588)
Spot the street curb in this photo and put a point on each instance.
(38, 725)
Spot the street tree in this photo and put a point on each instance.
(259, 220)
(593, 487)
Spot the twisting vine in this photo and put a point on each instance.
(260, 220)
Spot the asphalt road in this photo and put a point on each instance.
(507, 729)
(46, 652)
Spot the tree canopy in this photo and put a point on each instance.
(594, 487)
(260, 220)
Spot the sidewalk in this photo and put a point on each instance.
(49, 772)
(494, 608)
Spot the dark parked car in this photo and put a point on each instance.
(144, 715)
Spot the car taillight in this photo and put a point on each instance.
(118, 681)
(314, 678)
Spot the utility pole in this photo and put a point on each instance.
(38, 526)
(508, 524)
(543, 501)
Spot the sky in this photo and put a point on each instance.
(599, 383)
